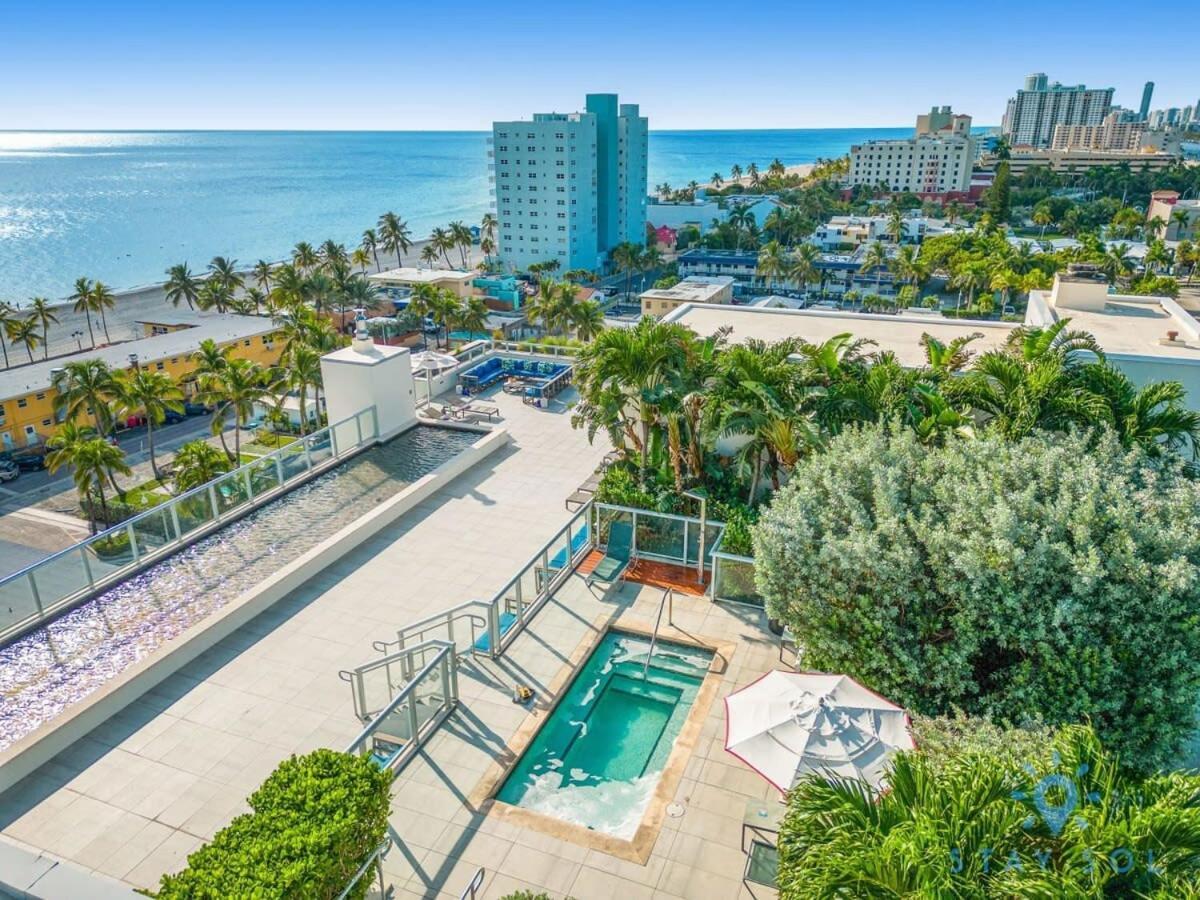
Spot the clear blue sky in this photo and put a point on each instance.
(458, 65)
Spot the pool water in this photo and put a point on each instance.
(65, 660)
(600, 754)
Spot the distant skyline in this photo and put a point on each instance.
(133, 64)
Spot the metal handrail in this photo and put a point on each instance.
(473, 886)
(403, 694)
(668, 595)
(376, 859)
(418, 628)
(403, 656)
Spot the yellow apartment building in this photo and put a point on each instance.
(27, 414)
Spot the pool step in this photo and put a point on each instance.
(660, 671)
(629, 684)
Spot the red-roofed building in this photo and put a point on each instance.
(665, 236)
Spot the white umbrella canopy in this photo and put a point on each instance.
(789, 724)
(432, 361)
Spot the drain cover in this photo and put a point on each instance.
(675, 810)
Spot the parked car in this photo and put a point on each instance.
(8, 470)
(170, 417)
(29, 462)
(196, 409)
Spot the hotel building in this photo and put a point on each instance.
(936, 160)
(1037, 108)
(570, 186)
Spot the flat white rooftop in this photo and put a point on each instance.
(411, 275)
(693, 289)
(1128, 325)
(219, 327)
(899, 334)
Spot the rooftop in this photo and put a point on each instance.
(219, 327)
(899, 334)
(413, 275)
(693, 289)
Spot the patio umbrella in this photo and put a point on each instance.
(790, 724)
(429, 361)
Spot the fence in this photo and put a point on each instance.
(489, 626)
(665, 537)
(399, 728)
(49, 587)
(733, 577)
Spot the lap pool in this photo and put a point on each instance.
(599, 756)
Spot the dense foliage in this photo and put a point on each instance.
(1052, 578)
(971, 827)
(315, 821)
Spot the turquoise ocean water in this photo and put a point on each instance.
(123, 206)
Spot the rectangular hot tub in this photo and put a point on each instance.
(597, 760)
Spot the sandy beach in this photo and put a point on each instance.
(803, 170)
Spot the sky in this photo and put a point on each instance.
(131, 64)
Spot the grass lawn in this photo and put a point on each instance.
(265, 442)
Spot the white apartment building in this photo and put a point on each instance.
(930, 162)
(1032, 115)
(570, 186)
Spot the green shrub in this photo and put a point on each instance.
(113, 546)
(315, 820)
(1050, 579)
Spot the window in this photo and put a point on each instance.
(45, 422)
(22, 403)
(40, 395)
(159, 366)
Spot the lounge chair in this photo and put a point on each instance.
(617, 556)
(479, 409)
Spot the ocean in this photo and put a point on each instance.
(123, 206)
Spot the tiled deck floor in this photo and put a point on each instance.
(148, 786)
(697, 856)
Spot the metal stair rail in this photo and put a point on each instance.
(668, 597)
(374, 684)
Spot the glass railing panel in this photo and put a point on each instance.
(605, 518)
(194, 510)
(65, 575)
(366, 421)
(396, 725)
(558, 557)
(231, 491)
(711, 533)
(294, 461)
(320, 447)
(345, 436)
(264, 476)
(153, 531)
(660, 536)
(734, 580)
(530, 588)
(16, 602)
(580, 530)
(429, 696)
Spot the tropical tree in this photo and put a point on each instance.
(181, 285)
(461, 238)
(1043, 217)
(1155, 417)
(303, 371)
(82, 299)
(875, 259)
(7, 315)
(86, 386)
(224, 270)
(443, 241)
(241, 384)
(716, 180)
(735, 173)
(209, 364)
(587, 319)
(197, 463)
(93, 461)
(99, 300)
(360, 258)
(262, 273)
(41, 310)
(24, 331)
(152, 395)
(305, 257)
(627, 257)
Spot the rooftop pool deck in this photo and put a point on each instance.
(146, 787)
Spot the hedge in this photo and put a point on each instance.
(315, 820)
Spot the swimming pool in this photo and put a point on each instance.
(598, 758)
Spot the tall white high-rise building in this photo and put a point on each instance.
(936, 160)
(1032, 114)
(570, 186)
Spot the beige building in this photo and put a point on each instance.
(1165, 204)
(717, 289)
(1022, 160)
(453, 280)
(1111, 134)
(937, 159)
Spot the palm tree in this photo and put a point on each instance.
(445, 311)
(752, 174)
(333, 253)
(1116, 262)
(197, 463)
(210, 363)
(429, 254)
(319, 289)
(1043, 217)
(303, 372)
(876, 258)
(895, 225)
(181, 285)
(241, 385)
(370, 243)
(304, 257)
(442, 240)
(85, 386)
(421, 303)
(587, 320)
(41, 310)
(225, 271)
(255, 299)
(150, 394)
(772, 262)
(627, 258)
(716, 180)
(1155, 226)
(360, 258)
(83, 304)
(1154, 417)
(23, 331)
(101, 299)
(735, 173)
(460, 237)
(802, 265)
(472, 316)
(394, 235)
(289, 288)
(93, 460)
(262, 273)
(7, 315)
(214, 294)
